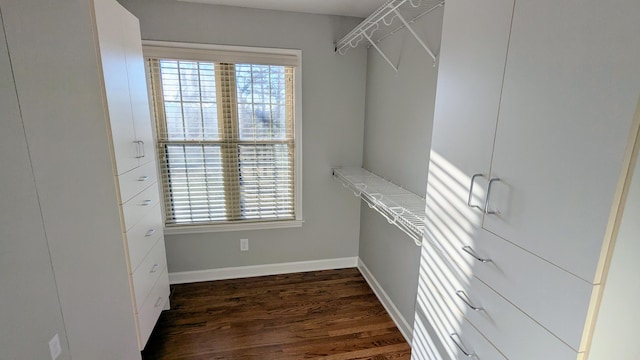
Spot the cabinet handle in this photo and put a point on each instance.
(486, 199)
(158, 302)
(146, 202)
(470, 251)
(142, 149)
(464, 351)
(154, 268)
(150, 232)
(143, 178)
(139, 150)
(463, 296)
(473, 180)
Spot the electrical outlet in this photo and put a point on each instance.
(54, 347)
(244, 244)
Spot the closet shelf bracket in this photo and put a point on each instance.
(398, 206)
(381, 24)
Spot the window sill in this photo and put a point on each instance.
(199, 229)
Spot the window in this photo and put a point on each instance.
(226, 134)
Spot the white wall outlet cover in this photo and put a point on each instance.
(244, 244)
(54, 347)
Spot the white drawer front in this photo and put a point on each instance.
(468, 341)
(452, 341)
(512, 331)
(515, 334)
(148, 272)
(152, 307)
(136, 208)
(553, 297)
(136, 180)
(142, 237)
(451, 335)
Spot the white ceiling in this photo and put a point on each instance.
(357, 8)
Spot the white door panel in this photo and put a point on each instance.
(564, 120)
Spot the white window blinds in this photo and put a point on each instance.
(225, 136)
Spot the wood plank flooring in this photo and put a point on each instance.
(329, 314)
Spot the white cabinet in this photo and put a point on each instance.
(570, 89)
(125, 85)
(116, 85)
(136, 180)
(75, 85)
(138, 90)
(457, 300)
(531, 138)
(120, 51)
(475, 36)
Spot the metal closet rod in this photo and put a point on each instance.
(371, 24)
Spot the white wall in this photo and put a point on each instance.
(399, 117)
(616, 330)
(30, 312)
(332, 128)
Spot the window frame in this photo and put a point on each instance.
(214, 52)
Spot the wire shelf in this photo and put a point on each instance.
(399, 206)
(391, 17)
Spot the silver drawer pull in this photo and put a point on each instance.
(158, 302)
(464, 351)
(154, 268)
(470, 251)
(143, 178)
(146, 202)
(463, 296)
(486, 199)
(150, 232)
(473, 181)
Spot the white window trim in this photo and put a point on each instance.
(260, 225)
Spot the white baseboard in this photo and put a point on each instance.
(261, 270)
(391, 308)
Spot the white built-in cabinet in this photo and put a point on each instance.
(124, 74)
(531, 147)
(78, 74)
(120, 51)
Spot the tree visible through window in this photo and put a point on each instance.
(225, 140)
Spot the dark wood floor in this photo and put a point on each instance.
(323, 314)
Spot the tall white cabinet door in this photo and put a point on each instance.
(29, 294)
(571, 84)
(473, 53)
(138, 87)
(116, 83)
(472, 57)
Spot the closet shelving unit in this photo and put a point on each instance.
(390, 18)
(399, 206)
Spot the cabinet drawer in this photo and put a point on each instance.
(458, 341)
(148, 272)
(553, 297)
(152, 307)
(136, 208)
(472, 343)
(142, 237)
(436, 323)
(514, 333)
(134, 181)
